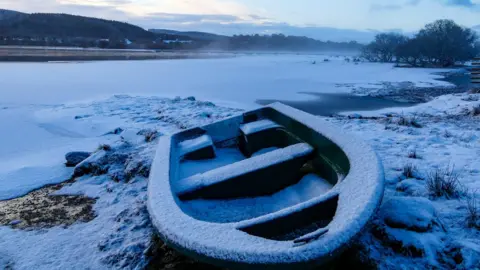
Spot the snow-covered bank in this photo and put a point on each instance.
(35, 137)
(242, 79)
(120, 234)
(416, 229)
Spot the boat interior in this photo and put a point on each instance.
(253, 171)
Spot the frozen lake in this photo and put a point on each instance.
(34, 97)
(242, 79)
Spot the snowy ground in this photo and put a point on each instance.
(42, 119)
(120, 234)
(428, 230)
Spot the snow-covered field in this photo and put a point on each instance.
(47, 110)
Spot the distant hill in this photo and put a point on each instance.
(42, 25)
(189, 34)
(10, 15)
(48, 29)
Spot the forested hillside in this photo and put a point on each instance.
(42, 25)
(48, 29)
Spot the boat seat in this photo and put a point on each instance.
(257, 176)
(258, 126)
(261, 134)
(199, 148)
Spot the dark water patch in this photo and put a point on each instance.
(330, 104)
(459, 77)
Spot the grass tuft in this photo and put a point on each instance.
(473, 208)
(409, 171)
(413, 154)
(444, 183)
(407, 121)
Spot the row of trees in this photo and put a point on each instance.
(287, 43)
(441, 43)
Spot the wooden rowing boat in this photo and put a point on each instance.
(271, 188)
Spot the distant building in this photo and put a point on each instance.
(176, 41)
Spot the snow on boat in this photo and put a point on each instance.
(272, 188)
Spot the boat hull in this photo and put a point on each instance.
(304, 234)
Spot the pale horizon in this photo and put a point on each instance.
(336, 20)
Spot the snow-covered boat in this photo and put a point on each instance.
(272, 188)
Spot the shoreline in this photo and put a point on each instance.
(391, 95)
(58, 54)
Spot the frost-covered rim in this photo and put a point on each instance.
(360, 194)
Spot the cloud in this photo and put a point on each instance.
(463, 3)
(192, 18)
(248, 16)
(458, 3)
(382, 7)
(95, 2)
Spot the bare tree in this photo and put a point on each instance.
(384, 48)
(441, 43)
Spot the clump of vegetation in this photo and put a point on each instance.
(447, 134)
(475, 111)
(473, 208)
(149, 134)
(471, 98)
(474, 91)
(444, 183)
(409, 171)
(407, 121)
(413, 154)
(104, 147)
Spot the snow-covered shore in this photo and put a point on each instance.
(441, 136)
(35, 138)
(121, 233)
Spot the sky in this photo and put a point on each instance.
(355, 18)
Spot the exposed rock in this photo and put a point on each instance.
(354, 116)
(452, 256)
(135, 166)
(191, 98)
(92, 165)
(163, 257)
(411, 213)
(206, 103)
(149, 134)
(408, 243)
(116, 131)
(75, 158)
(82, 116)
